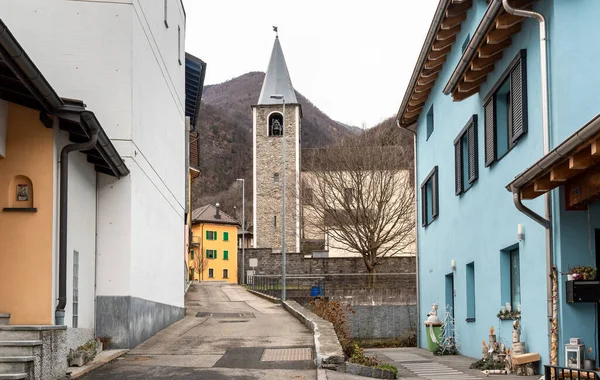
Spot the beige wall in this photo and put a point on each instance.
(26, 237)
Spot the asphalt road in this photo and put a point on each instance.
(227, 333)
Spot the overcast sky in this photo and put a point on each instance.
(352, 59)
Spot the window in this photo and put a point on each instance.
(348, 195)
(75, 289)
(308, 196)
(179, 44)
(225, 236)
(275, 124)
(211, 273)
(510, 275)
(465, 157)
(225, 273)
(192, 254)
(211, 235)
(470, 292)
(275, 177)
(275, 221)
(211, 254)
(429, 198)
(165, 13)
(505, 111)
(466, 42)
(449, 281)
(225, 255)
(430, 122)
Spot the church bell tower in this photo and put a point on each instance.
(276, 116)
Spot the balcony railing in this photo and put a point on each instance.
(558, 373)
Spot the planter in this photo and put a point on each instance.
(77, 360)
(589, 364)
(362, 370)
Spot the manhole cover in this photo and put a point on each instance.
(224, 315)
(286, 354)
(232, 321)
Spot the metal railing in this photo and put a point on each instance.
(556, 373)
(296, 286)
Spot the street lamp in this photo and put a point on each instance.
(278, 96)
(243, 229)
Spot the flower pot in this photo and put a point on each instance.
(77, 361)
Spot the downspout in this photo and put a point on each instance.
(89, 125)
(547, 221)
(416, 225)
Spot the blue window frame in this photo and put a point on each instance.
(510, 277)
(430, 122)
(470, 272)
(465, 157)
(429, 198)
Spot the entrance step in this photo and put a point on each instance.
(19, 347)
(16, 364)
(4, 317)
(26, 332)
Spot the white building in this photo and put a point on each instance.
(125, 59)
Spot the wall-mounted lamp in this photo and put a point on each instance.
(520, 234)
(453, 265)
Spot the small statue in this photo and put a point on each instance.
(516, 331)
(432, 316)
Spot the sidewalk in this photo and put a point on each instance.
(418, 363)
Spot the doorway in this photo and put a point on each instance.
(449, 296)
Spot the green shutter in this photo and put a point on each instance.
(225, 255)
(215, 254)
(207, 235)
(192, 255)
(226, 236)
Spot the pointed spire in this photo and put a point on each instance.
(277, 79)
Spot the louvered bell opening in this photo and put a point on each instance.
(518, 100)
(472, 143)
(490, 135)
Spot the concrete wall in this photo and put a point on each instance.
(26, 237)
(477, 225)
(382, 321)
(267, 193)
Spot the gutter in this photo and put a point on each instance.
(435, 23)
(20, 64)
(414, 133)
(91, 126)
(486, 22)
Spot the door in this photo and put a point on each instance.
(449, 296)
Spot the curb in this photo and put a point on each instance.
(327, 346)
(101, 359)
(264, 296)
(361, 370)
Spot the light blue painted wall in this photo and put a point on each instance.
(477, 225)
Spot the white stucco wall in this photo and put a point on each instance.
(122, 61)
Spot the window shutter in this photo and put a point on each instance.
(207, 253)
(472, 144)
(424, 204)
(490, 133)
(207, 235)
(225, 255)
(215, 254)
(435, 198)
(226, 236)
(458, 167)
(518, 94)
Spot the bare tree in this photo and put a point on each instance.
(200, 263)
(360, 197)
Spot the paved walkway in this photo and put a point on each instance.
(416, 363)
(227, 333)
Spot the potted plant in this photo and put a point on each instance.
(589, 363)
(582, 272)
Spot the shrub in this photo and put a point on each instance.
(389, 367)
(486, 363)
(334, 312)
(358, 357)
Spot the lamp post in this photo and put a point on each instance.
(243, 229)
(278, 96)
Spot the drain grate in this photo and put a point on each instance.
(224, 315)
(286, 354)
(233, 321)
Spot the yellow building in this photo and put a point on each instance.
(213, 256)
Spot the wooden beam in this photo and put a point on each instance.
(442, 44)
(472, 76)
(562, 172)
(451, 22)
(439, 53)
(528, 192)
(414, 109)
(456, 9)
(479, 64)
(496, 36)
(595, 148)
(429, 72)
(419, 96)
(445, 34)
(423, 81)
(409, 115)
(583, 189)
(424, 87)
(435, 64)
(415, 102)
(582, 159)
(506, 20)
(486, 51)
(460, 96)
(543, 185)
(469, 86)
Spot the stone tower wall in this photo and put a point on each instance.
(267, 193)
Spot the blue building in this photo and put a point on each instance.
(507, 128)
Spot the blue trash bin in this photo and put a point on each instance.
(316, 291)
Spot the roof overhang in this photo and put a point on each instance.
(492, 36)
(441, 36)
(573, 163)
(22, 83)
(195, 71)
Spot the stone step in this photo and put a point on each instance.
(13, 376)
(25, 332)
(19, 347)
(16, 364)
(4, 317)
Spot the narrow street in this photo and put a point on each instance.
(227, 333)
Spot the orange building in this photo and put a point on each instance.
(213, 256)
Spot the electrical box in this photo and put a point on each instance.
(583, 291)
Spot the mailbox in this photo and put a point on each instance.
(583, 291)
